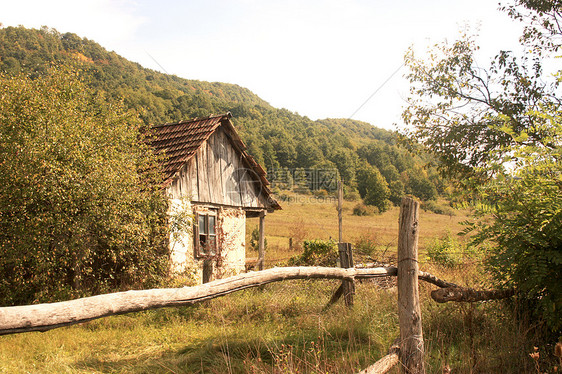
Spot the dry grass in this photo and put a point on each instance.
(279, 329)
(305, 217)
(282, 327)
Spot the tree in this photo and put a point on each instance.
(396, 188)
(81, 210)
(345, 161)
(499, 132)
(373, 187)
(420, 186)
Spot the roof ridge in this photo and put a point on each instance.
(227, 115)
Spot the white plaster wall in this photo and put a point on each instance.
(232, 241)
(181, 243)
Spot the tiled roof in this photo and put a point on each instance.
(178, 142)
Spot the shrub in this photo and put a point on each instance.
(350, 194)
(255, 240)
(316, 253)
(366, 245)
(81, 211)
(360, 210)
(437, 208)
(445, 251)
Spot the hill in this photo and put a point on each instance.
(278, 138)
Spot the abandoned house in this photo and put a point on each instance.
(209, 175)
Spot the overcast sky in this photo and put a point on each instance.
(320, 58)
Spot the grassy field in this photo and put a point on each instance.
(306, 217)
(282, 328)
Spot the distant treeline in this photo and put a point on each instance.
(367, 158)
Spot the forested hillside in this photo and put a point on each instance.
(366, 157)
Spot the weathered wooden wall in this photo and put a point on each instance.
(218, 175)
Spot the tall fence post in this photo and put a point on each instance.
(411, 336)
(340, 211)
(261, 243)
(346, 261)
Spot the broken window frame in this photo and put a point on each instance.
(205, 231)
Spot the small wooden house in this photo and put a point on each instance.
(210, 176)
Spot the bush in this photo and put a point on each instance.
(445, 251)
(81, 211)
(351, 194)
(317, 253)
(366, 245)
(437, 208)
(360, 210)
(255, 240)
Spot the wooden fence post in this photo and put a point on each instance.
(411, 336)
(261, 243)
(340, 211)
(346, 260)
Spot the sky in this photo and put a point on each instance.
(319, 58)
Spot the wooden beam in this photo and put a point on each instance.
(335, 297)
(469, 295)
(387, 362)
(261, 243)
(340, 211)
(409, 311)
(43, 317)
(430, 278)
(346, 261)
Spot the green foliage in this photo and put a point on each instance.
(366, 246)
(499, 132)
(255, 240)
(351, 194)
(397, 192)
(420, 186)
(360, 210)
(373, 187)
(80, 207)
(277, 138)
(527, 228)
(317, 253)
(438, 208)
(445, 251)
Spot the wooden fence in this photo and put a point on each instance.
(408, 349)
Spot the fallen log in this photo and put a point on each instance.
(427, 277)
(43, 317)
(385, 363)
(430, 278)
(469, 295)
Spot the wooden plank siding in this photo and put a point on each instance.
(217, 174)
(206, 161)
